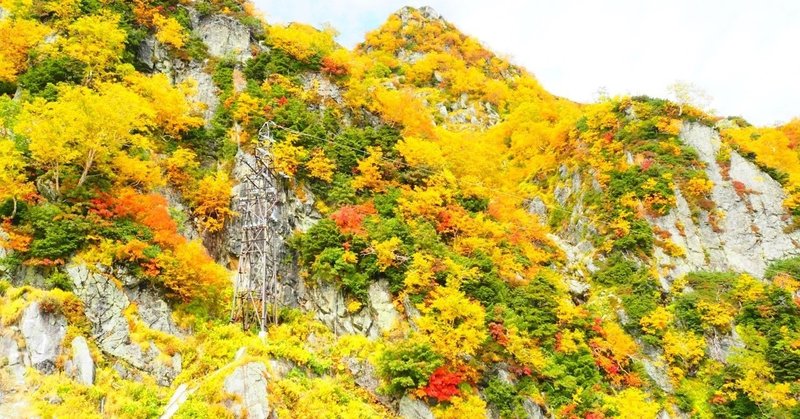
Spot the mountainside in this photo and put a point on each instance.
(442, 236)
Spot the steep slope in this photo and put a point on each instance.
(453, 240)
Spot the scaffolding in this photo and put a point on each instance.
(257, 290)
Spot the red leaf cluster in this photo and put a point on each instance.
(350, 218)
(150, 210)
(443, 384)
(330, 66)
(498, 333)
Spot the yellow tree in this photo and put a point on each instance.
(19, 35)
(84, 127)
(13, 181)
(95, 40)
(212, 200)
(169, 31)
(174, 113)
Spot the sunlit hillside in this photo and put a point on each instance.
(208, 215)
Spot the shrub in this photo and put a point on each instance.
(790, 266)
(57, 234)
(50, 72)
(686, 312)
(320, 236)
(533, 308)
(617, 271)
(504, 398)
(640, 238)
(59, 280)
(407, 366)
(443, 385)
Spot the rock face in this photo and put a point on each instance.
(249, 383)
(720, 347)
(225, 37)
(154, 311)
(12, 359)
(751, 232)
(43, 333)
(82, 361)
(205, 89)
(378, 316)
(154, 56)
(413, 409)
(104, 303)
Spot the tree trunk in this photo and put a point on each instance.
(86, 167)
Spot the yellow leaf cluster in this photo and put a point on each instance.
(698, 187)
(462, 406)
(174, 113)
(632, 403)
(130, 170)
(302, 41)
(683, 351)
(320, 166)
(386, 252)
(19, 36)
(286, 156)
(169, 31)
(716, 314)
(370, 175)
(524, 350)
(95, 40)
(657, 321)
(420, 274)
(84, 127)
(453, 323)
(13, 181)
(212, 200)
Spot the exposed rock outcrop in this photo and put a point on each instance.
(249, 383)
(43, 332)
(82, 362)
(153, 310)
(721, 347)
(413, 409)
(375, 318)
(751, 232)
(12, 359)
(104, 304)
(224, 37)
(205, 90)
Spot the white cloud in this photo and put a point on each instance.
(741, 52)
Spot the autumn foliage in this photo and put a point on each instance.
(443, 385)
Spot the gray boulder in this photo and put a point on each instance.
(43, 333)
(82, 361)
(413, 409)
(249, 383)
(12, 359)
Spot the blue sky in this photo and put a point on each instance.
(743, 53)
